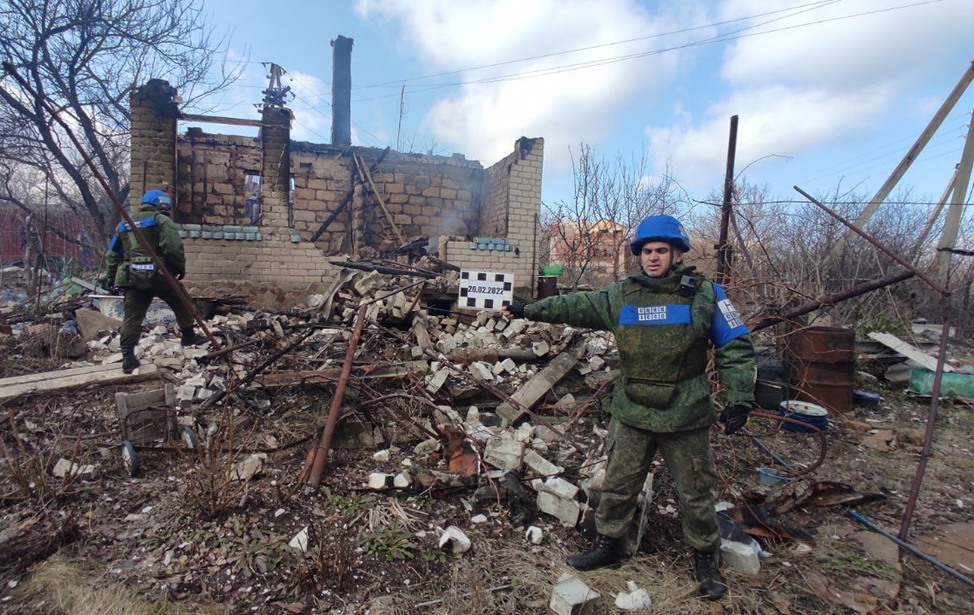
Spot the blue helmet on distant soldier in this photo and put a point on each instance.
(660, 228)
(157, 198)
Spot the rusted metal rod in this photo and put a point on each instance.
(893, 255)
(931, 423)
(824, 300)
(320, 457)
(156, 260)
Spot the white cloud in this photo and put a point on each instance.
(816, 85)
(778, 120)
(849, 51)
(484, 119)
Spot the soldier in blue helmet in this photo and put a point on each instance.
(130, 267)
(664, 316)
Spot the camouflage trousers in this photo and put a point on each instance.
(691, 462)
(137, 304)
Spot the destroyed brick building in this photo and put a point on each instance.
(250, 209)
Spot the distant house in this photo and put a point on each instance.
(593, 253)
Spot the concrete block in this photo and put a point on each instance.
(560, 487)
(636, 599)
(539, 465)
(504, 452)
(571, 596)
(454, 540)
(437, 381)
(534, 535)
(565, 510)
(481, 371)
(378, 480)
(740, 557)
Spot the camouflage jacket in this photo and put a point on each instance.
(130, 266)
(664, 327)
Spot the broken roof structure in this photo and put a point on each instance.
(272, 212)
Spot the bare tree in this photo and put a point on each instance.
(590, 233)
(85, 57)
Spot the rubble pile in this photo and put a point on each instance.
(459, 429)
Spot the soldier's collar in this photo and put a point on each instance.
(670, 283)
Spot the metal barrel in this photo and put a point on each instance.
(821, 366)
(547, 286)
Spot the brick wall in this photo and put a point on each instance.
(512, 200)
(212, 170)
(153, 139)
(497, 180)
(426, 195)
(432, 196)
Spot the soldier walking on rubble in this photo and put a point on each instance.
(130, 267)
(662, 317)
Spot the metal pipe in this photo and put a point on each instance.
(823, 450)
(764, 447)
(156, 260)
(857, 517)
(937, 287)
(931, 423)
(320, 457)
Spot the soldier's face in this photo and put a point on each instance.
(657, 257)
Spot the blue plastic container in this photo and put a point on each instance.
(813, 414)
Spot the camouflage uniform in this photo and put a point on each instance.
(132, 268)
(663, 327)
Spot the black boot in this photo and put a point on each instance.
(129, 361)
(606, 552)
(190, 338)
(712, 586)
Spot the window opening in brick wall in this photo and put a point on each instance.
(290, 202)
(252, 202)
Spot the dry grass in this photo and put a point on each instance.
(529, 575)
(59, 587)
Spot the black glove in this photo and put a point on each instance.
(516, 309)
(734, 417)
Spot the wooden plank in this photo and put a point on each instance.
(63, 373)
(537, 387)
(345, 200)
(57, 381)
(216, 119)
(909, 351)
(363, 170)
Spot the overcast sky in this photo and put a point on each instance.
(828, 92)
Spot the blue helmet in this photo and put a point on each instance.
(157, 198)
(660, 228)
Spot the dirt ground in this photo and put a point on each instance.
(182, 537)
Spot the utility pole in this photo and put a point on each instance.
(948, 238)
(911, 155)
(723, 248)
